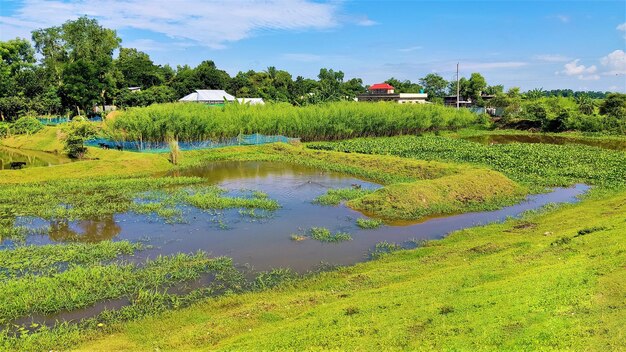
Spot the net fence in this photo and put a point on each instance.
(161, 147)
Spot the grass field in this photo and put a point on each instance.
(553, 280)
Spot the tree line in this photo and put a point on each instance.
(77, 70)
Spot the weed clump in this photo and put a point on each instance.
(369, 223)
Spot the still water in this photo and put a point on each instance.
(32, 158)
(263, 240)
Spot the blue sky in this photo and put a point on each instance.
(531, 44)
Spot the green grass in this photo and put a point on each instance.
(336, 196)
(497, 287)
(83, 284)
(50, 259)
(84, 199)
(332, 121)
(535, 165)
(324, 235)
(369, 223)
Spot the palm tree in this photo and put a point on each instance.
(586, 104)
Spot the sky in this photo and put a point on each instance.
(572, 44)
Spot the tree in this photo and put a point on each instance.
(434, 85)
(137, 69)
(586, 104)
(330, 83)
(79, 53)
(352, 88)
(475, 87)
(534, 94)
(614, 105)
(208, 76)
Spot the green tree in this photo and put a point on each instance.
(79, 55)
(330, 83)
(535, 94)
(434, 85)
(614, 105)
(586, 104)
(137, 69)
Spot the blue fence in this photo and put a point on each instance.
(161, 147)
(53, 121)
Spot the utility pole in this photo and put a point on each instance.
(457, 86)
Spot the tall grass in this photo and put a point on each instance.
(195, 122)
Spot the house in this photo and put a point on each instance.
(251, 101)
(134, 89)
(386, 92)
(208, 96)
(450, 100)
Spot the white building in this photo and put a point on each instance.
(208, 96)
(251, 101)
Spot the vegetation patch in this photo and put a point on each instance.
(368, 223)
(535, 165)
(336, 196)
(324, 235)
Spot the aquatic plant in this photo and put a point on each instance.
(369, 223)
(337, 195)
(324, 235)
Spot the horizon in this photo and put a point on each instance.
(559, 45)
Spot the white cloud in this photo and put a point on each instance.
(621, 27)
(581, 71)
(409, 49)
(552, 58)
(211, 23)
(615, 62)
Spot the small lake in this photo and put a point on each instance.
(262, 239)
(32, 158)
(547, 139)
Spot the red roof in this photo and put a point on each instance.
(380, 86)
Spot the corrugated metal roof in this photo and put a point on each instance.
(208, 95)
(251, 101)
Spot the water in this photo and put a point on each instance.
(32, 158)
(264, 242)
(524, 138)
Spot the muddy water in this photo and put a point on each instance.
(507, 138)
(263, 240)
(30, 157)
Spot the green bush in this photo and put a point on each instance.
(26, 125)
(78, 131)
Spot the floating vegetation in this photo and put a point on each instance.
(324, 235)
(369, 223)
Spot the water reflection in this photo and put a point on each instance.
(30, 157)
(102, 229)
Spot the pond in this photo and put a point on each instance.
(32, 158)
(262, 239)
(614, 144)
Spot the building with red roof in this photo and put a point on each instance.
(386, 92)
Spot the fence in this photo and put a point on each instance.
(53, 121)
(161, 147)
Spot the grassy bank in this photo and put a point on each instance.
(549, 281)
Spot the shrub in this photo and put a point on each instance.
(77, 133)
(26, 125)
